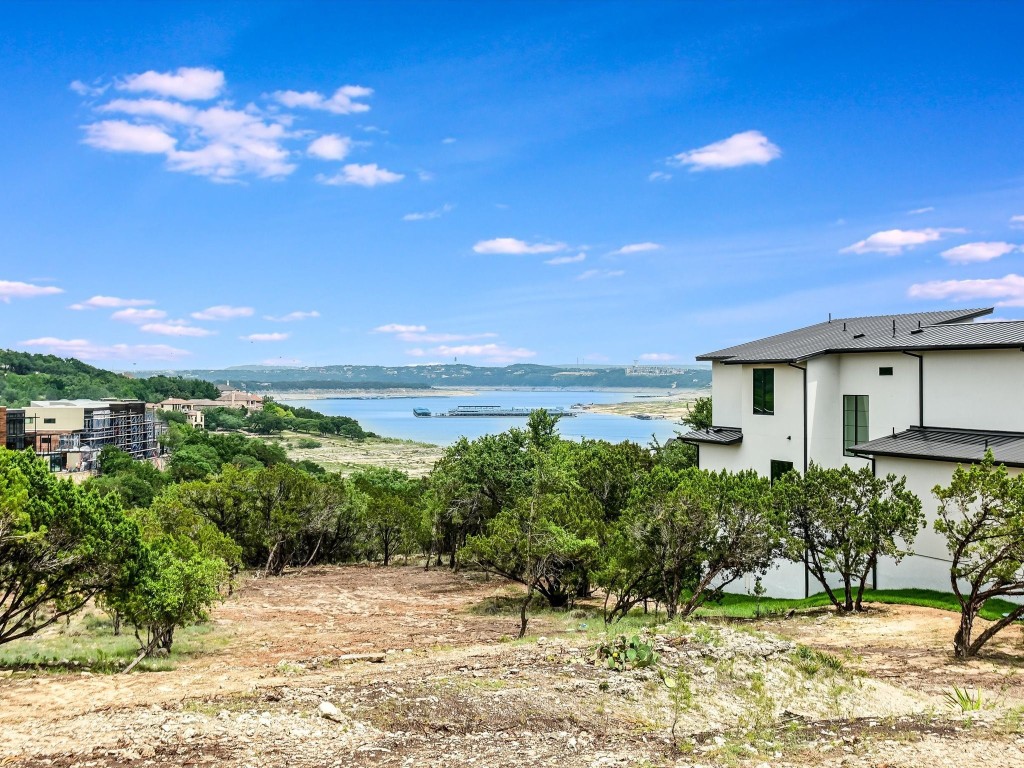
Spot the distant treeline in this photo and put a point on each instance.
(250, 385)
(449, 375)
(25, 377)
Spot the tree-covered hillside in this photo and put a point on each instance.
(268, 378)
(25, 376)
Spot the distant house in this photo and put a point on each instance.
(911, 394)
(234, 398)
(193, 409)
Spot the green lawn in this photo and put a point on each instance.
(746, 606)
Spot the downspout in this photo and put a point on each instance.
(874, 568)
(920, 387)
(803, 369)
(807, 569)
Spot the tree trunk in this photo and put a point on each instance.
(962, 647)
(859, 604)
(523, 618)
(847, 593)
(995, 627)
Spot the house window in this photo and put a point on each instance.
(885, 371)
(764, 391)
(779, 468)
(855, 421)
(49, 421)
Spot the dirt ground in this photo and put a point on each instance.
(454, 690)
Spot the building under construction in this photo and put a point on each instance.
(70, 434)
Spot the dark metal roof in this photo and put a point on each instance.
(949, 329)
(948, 444)
(716, 435)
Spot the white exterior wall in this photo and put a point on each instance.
(726, 394)
(778, 437)
(975, 389)
(928, 567)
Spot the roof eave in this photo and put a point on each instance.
(929, 457)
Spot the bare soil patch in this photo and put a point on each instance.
(345, 456)
(455, 691)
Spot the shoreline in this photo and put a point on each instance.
(652, 393)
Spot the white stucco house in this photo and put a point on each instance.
(911, 394)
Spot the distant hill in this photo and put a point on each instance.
(25, 376)
(264, 378)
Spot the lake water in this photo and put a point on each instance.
(392, 417)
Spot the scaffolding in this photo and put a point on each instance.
(128, 426)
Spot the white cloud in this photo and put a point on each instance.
(972, 252)
(341, 103)
(218, 142)
(637, 248)
(491, 353)
(399, 328)
(132, 315)
(87, 350)
(84, 89)
(659, 176)
(362, 175)
(424, 175)
(438, 338)
(330, 146)
(265, 337)
(111, 302)
(657, 357)
(566, 259)
(510, 245)
(427, 215)
(119, 136)
(222, 312)
(13, 289)
(919, 211)
(172, 111)
(893, 242)
(747, 148)
(1017, 221)
(292, 317)
(187, 83)
(175, 328)
(1004, 291)
(591, 274)
(448, 140)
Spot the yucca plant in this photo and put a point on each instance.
(962, 698)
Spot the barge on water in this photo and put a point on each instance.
(492, 411)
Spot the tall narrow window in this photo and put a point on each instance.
(779, 468)
(855, 421)
(764, 391)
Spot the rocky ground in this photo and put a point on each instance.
(401, 667)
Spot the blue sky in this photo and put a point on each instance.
(203, 185)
